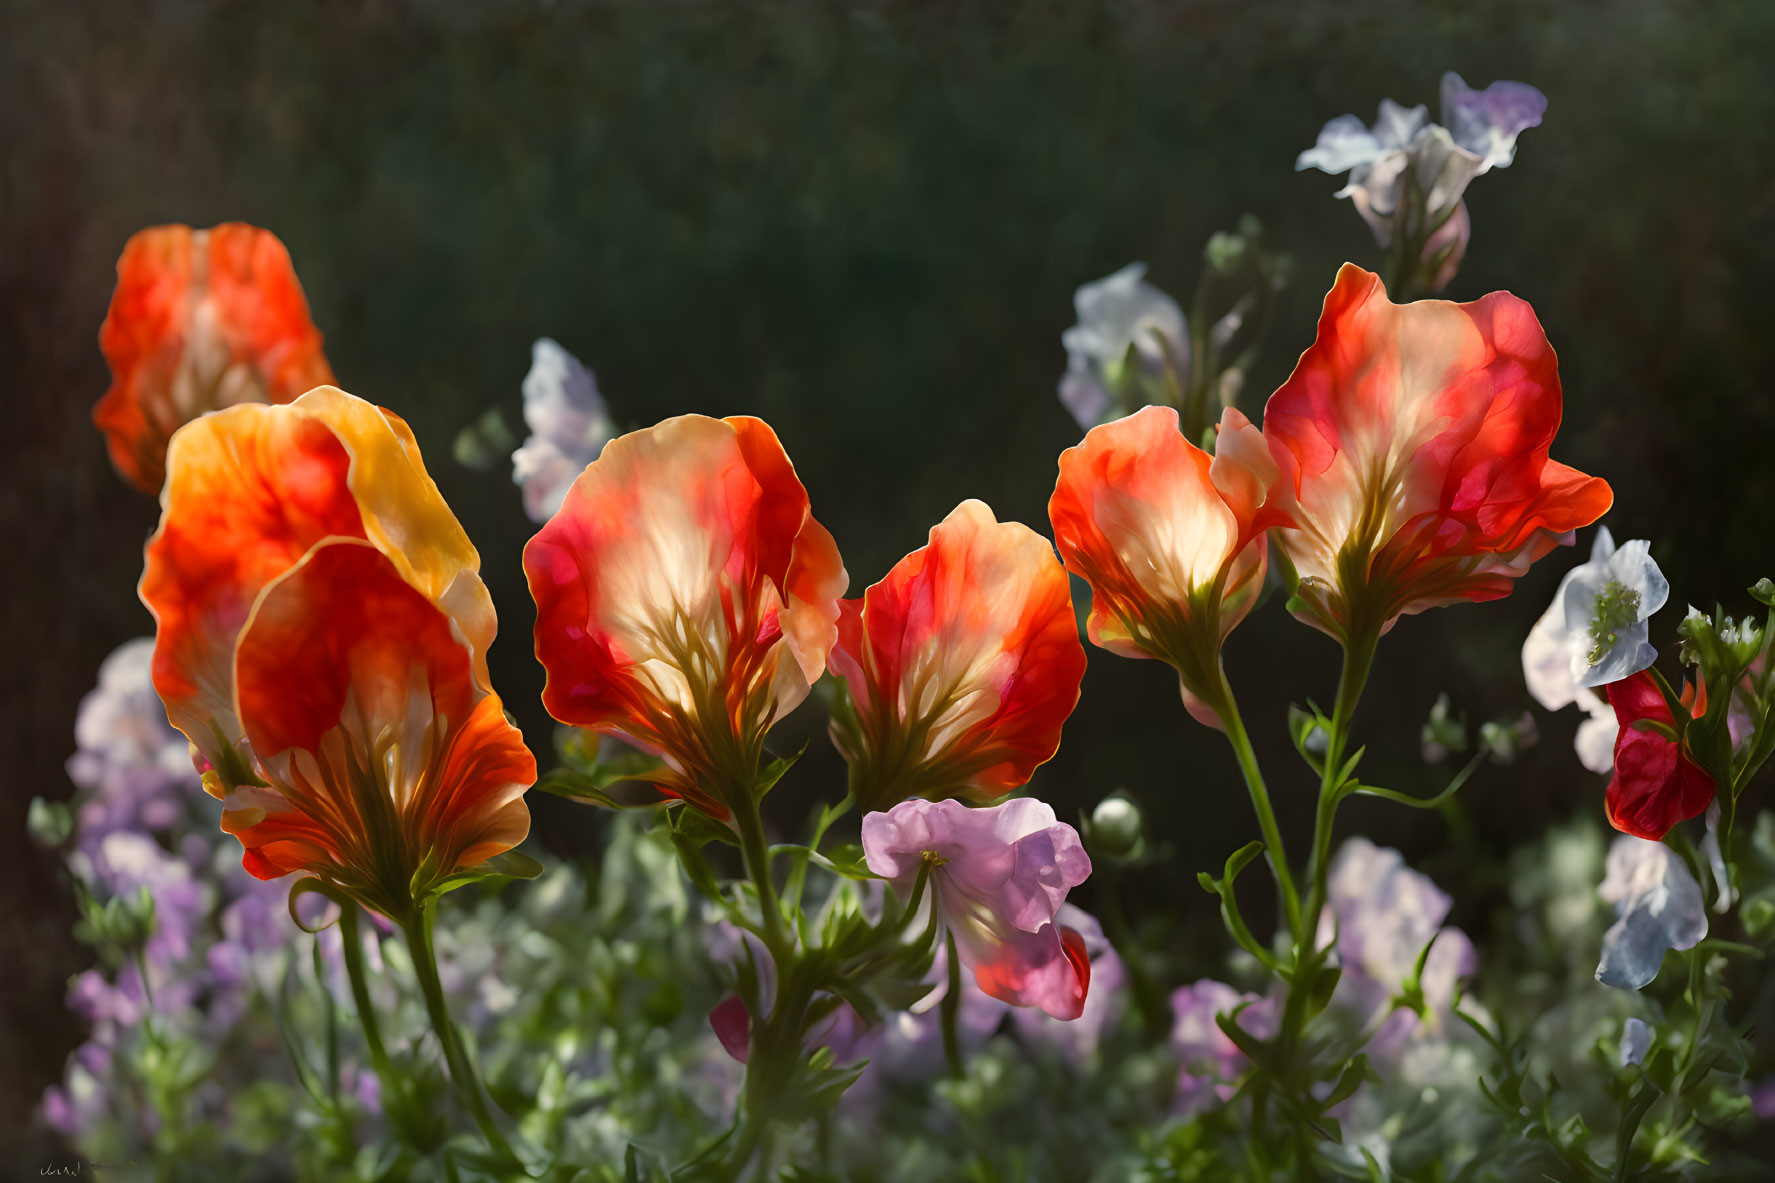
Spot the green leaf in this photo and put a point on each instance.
(513, 864)
(771, 773)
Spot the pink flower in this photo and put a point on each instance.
(997, 879)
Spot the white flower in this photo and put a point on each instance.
(1636, 1040)
(1116, 313)
(1659, 905)
(569, 425)
(1594, 633)
(1478, 133)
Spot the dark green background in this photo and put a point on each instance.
(864, 222)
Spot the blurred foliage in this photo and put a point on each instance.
(864, 222)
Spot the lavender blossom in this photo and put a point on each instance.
(132, 770)
(569, 425)
(1211, 1061)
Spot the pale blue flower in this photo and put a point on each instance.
(1636, 1040)
(1659, 906)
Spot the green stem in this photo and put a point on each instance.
(1228, 710)
(757, 862)
(352, 946)
(1308, 956)
(418, 926)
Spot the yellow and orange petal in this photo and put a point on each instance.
(686, 597)
(962, 664)
(1413, 439)
(1170, 539)
(251, 490)
(200, 320)
(385, 755)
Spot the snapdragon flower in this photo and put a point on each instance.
(961, 664)
(569, 425)
(1658, 906)
(997, 879)
(1405, 166)
(1119, 313)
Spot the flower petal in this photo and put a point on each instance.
(1656, 784)
(200, 320)
(384, 753)
(962, 663)
(685, 596)
(1417, 434)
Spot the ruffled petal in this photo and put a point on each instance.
(1417, 435)
(963, 663)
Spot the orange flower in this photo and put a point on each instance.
(389, 765)
(962, 665)
(1170, 539)
(686, 598)
(252, 489)
(201, 319)
(1415, 438)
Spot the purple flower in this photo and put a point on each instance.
(1658, 905)
(1478, 133)
(1211, 1061)
(569, 426)
(1385, 914)
(1487, 122)
(997, 879)
(132, 769)
(1078, 1039)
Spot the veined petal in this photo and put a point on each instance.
(686, 598)
(1415, 439)
(963, 663)
(200, 320)
(250, 490)
(383, 752)
(1170, 540)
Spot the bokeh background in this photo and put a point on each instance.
(864, 222)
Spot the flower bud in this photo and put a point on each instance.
(1115, 828)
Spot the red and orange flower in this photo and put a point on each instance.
(1413, 439)
(1171, 540)
(321, 640)
(686, 599)
(201, 319)
(962, 665)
